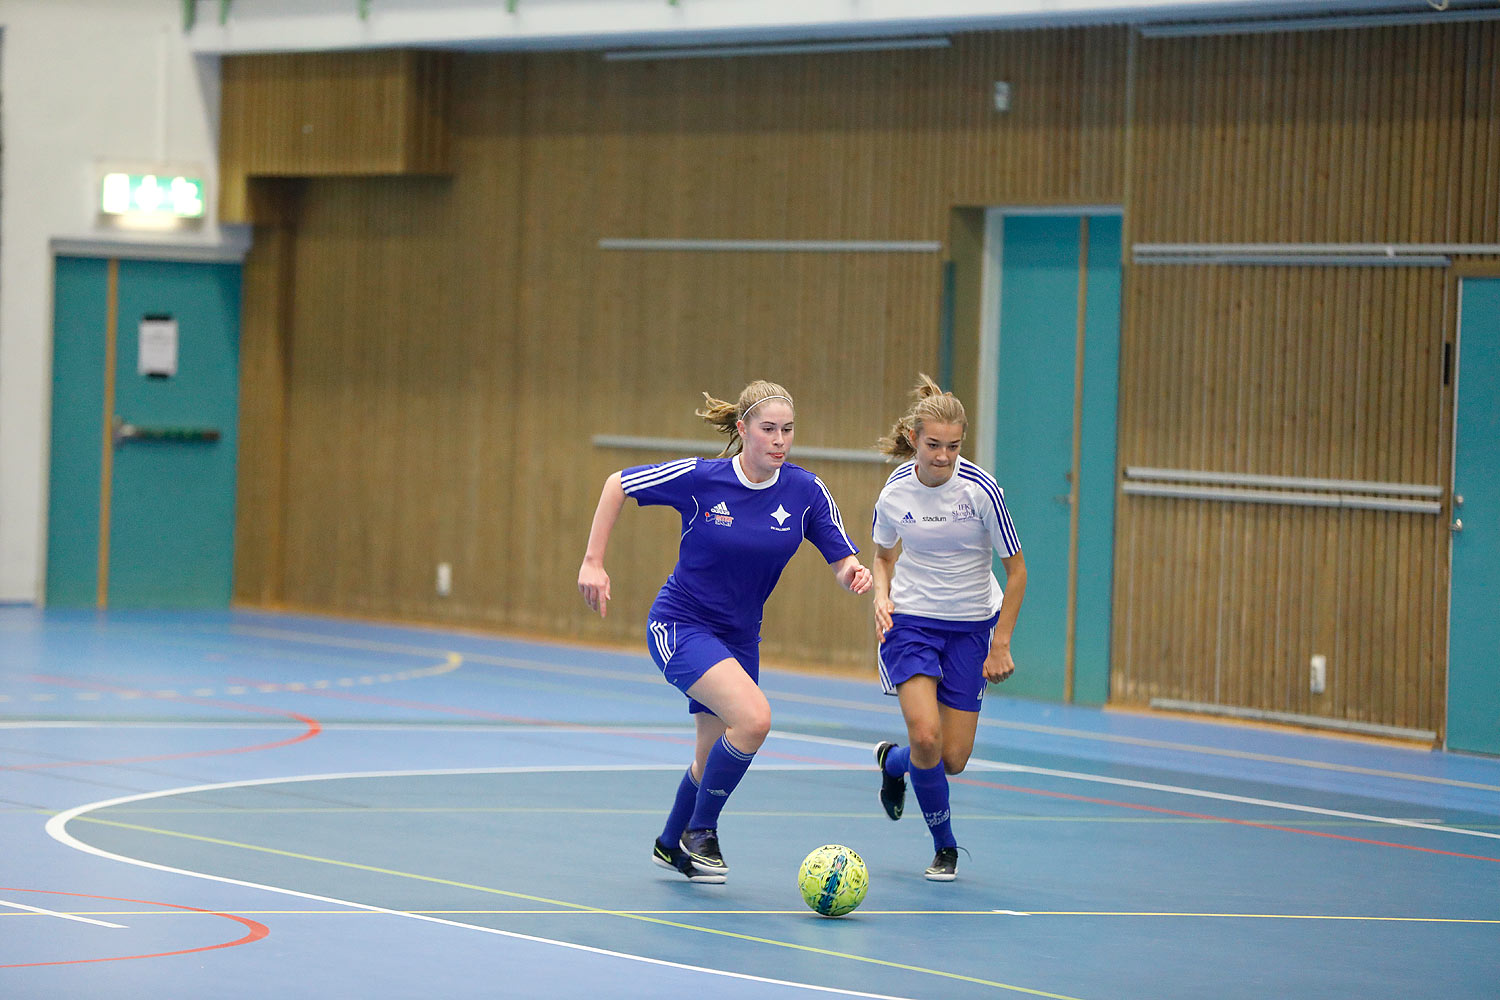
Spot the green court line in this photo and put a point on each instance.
(582, 908)
(781, 913)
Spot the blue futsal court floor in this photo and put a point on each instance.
(245, 805)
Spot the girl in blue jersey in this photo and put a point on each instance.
(943, 622)
(744, 514)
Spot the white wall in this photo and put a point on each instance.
(84, 82)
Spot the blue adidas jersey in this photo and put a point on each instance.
(737, 536)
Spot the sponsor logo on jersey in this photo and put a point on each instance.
(719, 514)
(780, 515)
(939, 517)
(908, 519)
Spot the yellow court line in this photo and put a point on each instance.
(864, 913)
(580, 907)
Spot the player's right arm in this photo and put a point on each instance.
(593, 581)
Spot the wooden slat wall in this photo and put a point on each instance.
(265, 325)
(332, 114)
(1324, 373)
(454, 344)
(1322, 137)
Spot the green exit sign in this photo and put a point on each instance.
(152, 196)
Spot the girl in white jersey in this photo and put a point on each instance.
(744, 514)
(943, 622)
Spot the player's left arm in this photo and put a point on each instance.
(824, 527)
(997, 664)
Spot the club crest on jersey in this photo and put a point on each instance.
(964, 512)
(719, 514)
(781, 515)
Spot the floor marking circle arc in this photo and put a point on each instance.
(56, 828)
(255, 930)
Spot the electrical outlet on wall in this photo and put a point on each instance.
(444, 579)
(1317, 679)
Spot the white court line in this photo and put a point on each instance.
(1202, 793)
(56, 829)
(61, 916)
(975, 763)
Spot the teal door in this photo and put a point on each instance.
(1059, 289)
(1474, 595)
(146, 520)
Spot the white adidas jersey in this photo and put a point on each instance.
(947, 534)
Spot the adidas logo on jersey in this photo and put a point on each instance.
(908, 519)
(719, 514)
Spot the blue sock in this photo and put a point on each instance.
(898, 761)
(726, 766)
(682, 808)
(931, 788)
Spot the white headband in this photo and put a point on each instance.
(762, 400)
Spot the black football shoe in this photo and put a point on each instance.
(675, 859)
(702, 849)
(892, 790)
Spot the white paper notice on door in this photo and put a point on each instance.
(158, 347)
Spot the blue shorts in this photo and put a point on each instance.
(685, 652)
(953, 654)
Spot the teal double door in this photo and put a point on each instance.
(1056, 373)
(142, 484)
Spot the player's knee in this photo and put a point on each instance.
(752, 730)
(926, 744)
(954, 763)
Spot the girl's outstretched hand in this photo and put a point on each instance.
(593, 584)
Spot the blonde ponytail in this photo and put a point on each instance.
(930, 404)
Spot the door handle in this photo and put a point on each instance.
(124, 432)
(1457, 525)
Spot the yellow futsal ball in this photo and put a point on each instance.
(833, 880)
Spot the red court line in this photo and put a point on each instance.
(1219, 819)
(257, 930)
(477, 713)
(314, 727)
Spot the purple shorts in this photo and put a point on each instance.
(954, 655)
(685, 652)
